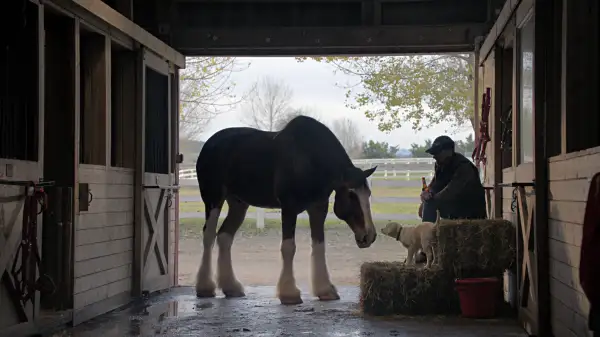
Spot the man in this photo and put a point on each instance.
(455, 190)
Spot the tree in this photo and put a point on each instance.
(461, 146)
(395, 90)
(268, 104)
(295, 112)
(206, 90)
(418, 151)
(465, 146)
(373, 150)
(348, 133)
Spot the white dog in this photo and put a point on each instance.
(414, 238)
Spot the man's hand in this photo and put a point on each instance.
(426, 195)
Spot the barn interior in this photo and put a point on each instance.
(86, 82)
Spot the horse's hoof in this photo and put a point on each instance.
(290, 300)
(234, 293)
(205, 293)
(329, 296)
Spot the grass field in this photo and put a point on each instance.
(193, 227)
(377, 208)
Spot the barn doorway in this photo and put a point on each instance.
(59, 161)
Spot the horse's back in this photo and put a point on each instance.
(240, 161)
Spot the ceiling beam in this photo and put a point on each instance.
(327, 40)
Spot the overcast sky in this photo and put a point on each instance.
(314, 86)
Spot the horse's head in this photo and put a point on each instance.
(352, 205)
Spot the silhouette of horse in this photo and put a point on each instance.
(295, 170)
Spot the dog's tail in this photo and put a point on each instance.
(437, 219)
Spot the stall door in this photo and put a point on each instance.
(158, 221)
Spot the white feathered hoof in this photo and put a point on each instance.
(328, 294)
(234, 290)
(290, 300)
(289, 295)
(205, 289)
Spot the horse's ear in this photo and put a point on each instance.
(367, 173)
(353, 177)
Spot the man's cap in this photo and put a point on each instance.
(439, 144)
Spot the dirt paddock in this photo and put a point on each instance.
(257, 260)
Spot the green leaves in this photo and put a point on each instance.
(420, 90)
(374, 150)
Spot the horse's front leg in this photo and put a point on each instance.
(321, 284)
(287, 291)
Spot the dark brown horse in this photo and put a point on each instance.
(295, 170)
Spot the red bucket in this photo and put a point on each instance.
(478, 296)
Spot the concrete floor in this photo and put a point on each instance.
(180, 313)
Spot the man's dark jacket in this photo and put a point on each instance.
(458, 192)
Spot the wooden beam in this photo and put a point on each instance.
(328, 40)
(138, 215)
(476, 93)
(68, 8)
(543, 46)
(494, 34)
(108, 98)
(175, 166)
(41, 84)
(496, 120)
(120, 22)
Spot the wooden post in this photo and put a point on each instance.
(108, 95)
(496, 132)
(140, 93)
(41, 113)
(543, 42)
(476, 89)
(260, 218)
(76, 140)
(175, 116)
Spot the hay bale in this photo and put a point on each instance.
(476, 248)
(388, 288)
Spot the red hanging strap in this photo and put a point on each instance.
(478, 155)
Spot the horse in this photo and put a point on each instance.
(295, 169)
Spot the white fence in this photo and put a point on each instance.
(387, 167)
(190, 174)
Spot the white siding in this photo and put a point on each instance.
(104, 236)
(569, 177)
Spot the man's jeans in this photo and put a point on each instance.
(429, 211)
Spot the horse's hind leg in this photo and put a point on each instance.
(226, 279)
(321, 283)
(205, 285)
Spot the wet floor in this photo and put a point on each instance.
(180, 313)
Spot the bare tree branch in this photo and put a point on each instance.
(267, 105)
(348, 132)
(206, 90)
